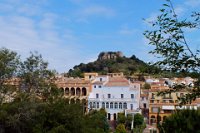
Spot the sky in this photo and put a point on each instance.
(70, 32)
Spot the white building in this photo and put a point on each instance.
(115, 94)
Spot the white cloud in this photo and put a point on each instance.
(93, 11)
(24, 34)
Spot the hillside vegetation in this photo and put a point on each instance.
(128, 66)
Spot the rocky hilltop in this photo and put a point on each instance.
(109, 55)
(109, 62)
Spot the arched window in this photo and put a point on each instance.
(103, 105)
(116, 105)
(72, 91)
(97, 104)
(84, 91)
(111, 105)
(120, 105)
(67, 91)
(125, 105)
(78, 91)
(107, 105)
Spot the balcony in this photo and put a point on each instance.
(114, 99)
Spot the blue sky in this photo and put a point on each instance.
(69, 32)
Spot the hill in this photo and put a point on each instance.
(109, 62)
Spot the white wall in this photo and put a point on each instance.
(115, 93)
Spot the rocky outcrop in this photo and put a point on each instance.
(109, 55)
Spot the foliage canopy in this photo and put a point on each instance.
(173, 50)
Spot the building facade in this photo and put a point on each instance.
(162, 106)
(75, 89)
(115, 95)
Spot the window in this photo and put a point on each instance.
(97, 95)
(94, 105)
(90, 104)
(99, 86)
(125, 106)
(122, 95)
(97, 105)
(145, 105)
(108, 116)
(107, 105)
(109, 96)
(94, 86)
(142, 98)
(120, 105)
(111, 105)
(101, 79)
(132, 96)
(155, 109)
(103, 105)
(116, 105)
(131, 106)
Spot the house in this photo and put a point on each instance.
(164, 105)
(115, 94)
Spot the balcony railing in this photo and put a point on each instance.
(114, 99)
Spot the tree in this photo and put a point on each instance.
(96, 122)
(35, 76)
(182, 121)
(173, 50)
(147, 86)
(120, 128)
(9, 62)
(138, 120)
(121, 119)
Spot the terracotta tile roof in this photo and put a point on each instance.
(117, 81)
